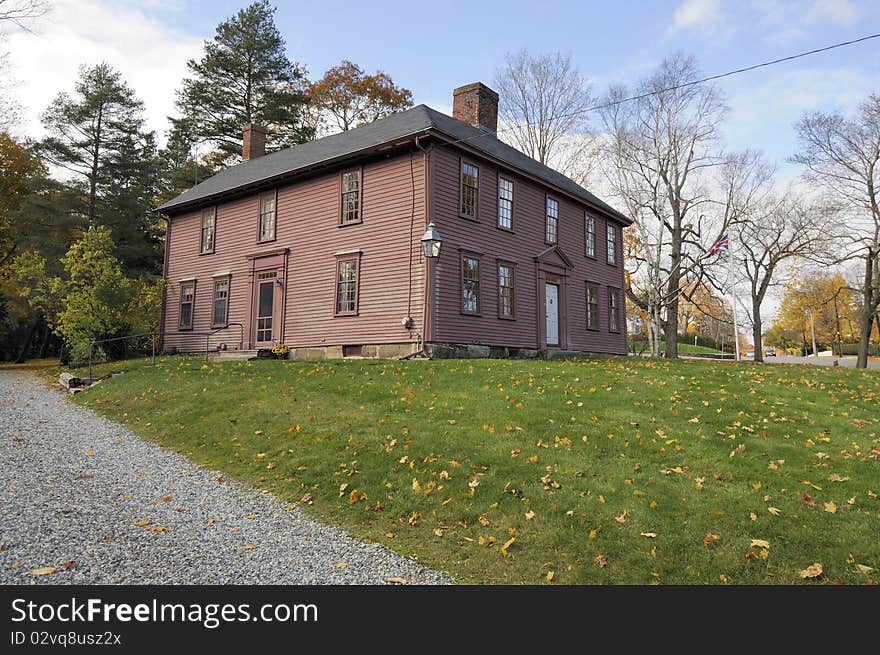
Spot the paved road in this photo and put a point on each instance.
(849, 362)
(74, 487)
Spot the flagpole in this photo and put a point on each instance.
(733, 296)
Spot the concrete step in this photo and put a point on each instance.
(232, 355)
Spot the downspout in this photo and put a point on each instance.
(427, 313)
(161, 345)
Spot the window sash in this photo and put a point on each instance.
(590, 235)
(351, 197)
(346, 286)
(505, 290)
(187, 303)
(267, 217)
(470, 285)
(592, 307)
(613, 310)
(221, 302)
(552, 234)
(611, 233)
(208, 224)
(470, 189)
(505, 203)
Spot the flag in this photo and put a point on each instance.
(722, 245)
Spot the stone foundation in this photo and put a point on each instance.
(436, 351)
(368, 351)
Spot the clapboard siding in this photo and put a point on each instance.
(391, 268)
(519, 246)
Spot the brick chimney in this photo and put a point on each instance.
(477, 105)
(254, 143)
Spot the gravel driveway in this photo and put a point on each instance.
(74, 487)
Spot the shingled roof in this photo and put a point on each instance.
(419, 119)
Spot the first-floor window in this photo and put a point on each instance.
(505, 290)
(592, 306)
(187, 300)
(221, 302)
(346, 286)
(470, 285)
(614, 310)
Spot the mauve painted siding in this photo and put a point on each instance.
(308, 224)
(519, 247)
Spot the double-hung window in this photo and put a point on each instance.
(505, 203)
(221, 302)
(611, 231)
(614, 310)
(589, 235)
(187, 302)
(470, 189)
(346, 285)
(552, 225)
(351, 197)
(209, 223)
(592, 306)
(267, 216)
(470, 285)
(505, 290)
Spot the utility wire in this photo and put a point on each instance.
(676, 87)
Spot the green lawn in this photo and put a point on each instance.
(598, 471)
(690, 348)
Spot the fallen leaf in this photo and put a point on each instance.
(834, 477)
(753, 516)
(356, 496)
(864, 569)
(395, 580)
(711, 538)
(416, 487)
(43, 570)
(68, 565)
(808, 499)
(165, 499)
(601, 561)
(341, 565)
(831, 507)
(141, 524)
(775, 511)
(759, 543)
(89, 453)
(530, 515)
(872, 495)
(251, 517)
(550, 575)
(622, 517)
(812, 571)
(507, 545)
(158, 528)
(250, 547)
(484, 521)
(649, 535)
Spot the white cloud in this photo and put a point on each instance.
(150, 55)
(702, 15)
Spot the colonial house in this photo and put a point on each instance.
(323, 247)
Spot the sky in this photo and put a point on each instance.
(433, 48)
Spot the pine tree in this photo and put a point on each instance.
(98, 135)
(244, 77)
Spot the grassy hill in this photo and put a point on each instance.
(614, 470)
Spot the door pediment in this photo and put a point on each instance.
(554, 256)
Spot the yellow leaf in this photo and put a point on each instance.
(812, 571)
(864, 569)
(43, 570)
(622, 517)
(159, 528)
(250, 546)
(507, 545)
(141, 524)
(530, 515)
(416, 487)
(753, 516)
(760, 543)
(342, 489)
(89, 453)
(831, 507)
(774, 511)
(710, 538)
(341, 565)
(649, 535)
(395, 580)
(356, 496)
(652, 504)
(251, 517)
(438, 532)
(550, 575)
(601, 561)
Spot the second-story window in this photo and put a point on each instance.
(351, 197)
(470, 189)
(552, 231)
(612, 243)
(505, 203)
(267, 217)
(590, 235)
(470, 285)
(209, 221)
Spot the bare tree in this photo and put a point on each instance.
(778, 231)
(662, 147)
(843, 155)
(542, 107)
(10, 108)
(19, 12)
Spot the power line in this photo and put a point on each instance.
(683, 85)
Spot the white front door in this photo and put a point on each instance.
(552, 308)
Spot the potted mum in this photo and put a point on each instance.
(280, 350)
